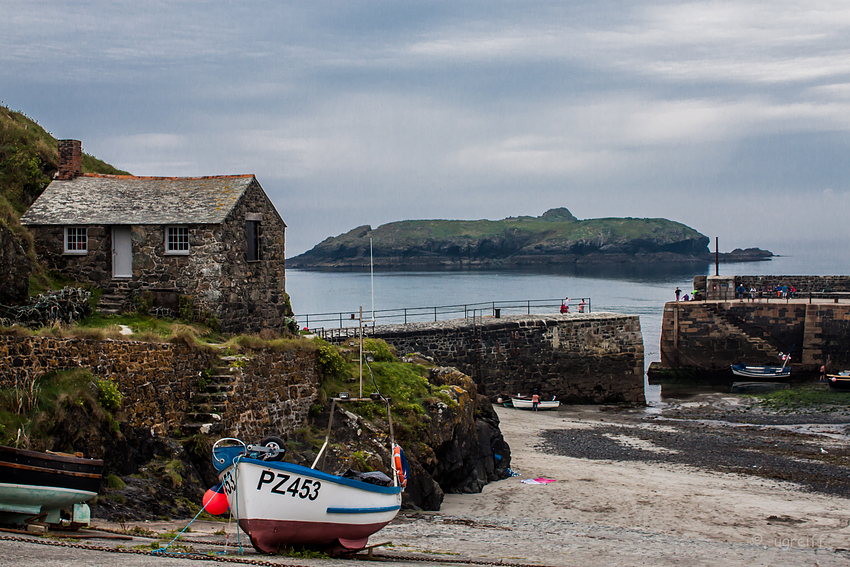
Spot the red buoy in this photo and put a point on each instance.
(215, 500)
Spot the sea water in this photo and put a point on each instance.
(627, 289)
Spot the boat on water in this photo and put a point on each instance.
(282, 504)
(525, 402)
(764, 372)
(47, 487)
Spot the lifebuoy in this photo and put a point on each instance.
(402, 469)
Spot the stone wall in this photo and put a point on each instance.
(252, 294)
(15, 268)
(273, 394)
(270, 395)
(804, 284)
(94, 267)
(711, 336)
(580, 358)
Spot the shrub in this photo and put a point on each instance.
(330, 361)
(185, 308)
(380, 349)
(108, 394)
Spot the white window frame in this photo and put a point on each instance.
(168, 242)
(80, 239)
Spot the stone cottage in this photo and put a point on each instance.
(217, 240)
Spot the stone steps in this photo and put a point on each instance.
(110, 304)
(115, 298)
(208, 413)
(758, 343)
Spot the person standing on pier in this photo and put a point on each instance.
(678, 292)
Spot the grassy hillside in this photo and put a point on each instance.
(414, 231)
(29, 156)
(552, 238)
(28, 159)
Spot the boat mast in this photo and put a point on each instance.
(360, 324)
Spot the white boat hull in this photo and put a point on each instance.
(281, 504)
(761, 371)
(521, 403)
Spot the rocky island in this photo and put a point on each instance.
(554, 239)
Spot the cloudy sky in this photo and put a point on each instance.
(731, 117)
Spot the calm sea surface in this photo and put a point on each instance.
(633, 290)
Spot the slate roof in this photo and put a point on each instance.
(126, 199)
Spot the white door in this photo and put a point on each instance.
(122, 252)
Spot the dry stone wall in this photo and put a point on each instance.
(580, 358)
(271, 394)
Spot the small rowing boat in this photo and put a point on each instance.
(525, 402)
(47, 487)
(764, 372)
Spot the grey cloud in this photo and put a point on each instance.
(729, 116)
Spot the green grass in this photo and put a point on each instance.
(29, 156)
(28, 411)
(811, 397)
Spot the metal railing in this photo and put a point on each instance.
(403, 315)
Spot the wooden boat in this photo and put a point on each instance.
(283, 504)
(48, 487)
(524, 402)
(840, 381)
(764, 372)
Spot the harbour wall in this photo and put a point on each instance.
(579, 358)
(709, 336)
(723, 287)
(165, 385)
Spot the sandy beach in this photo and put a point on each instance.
(644, 506)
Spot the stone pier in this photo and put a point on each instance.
(580, 358)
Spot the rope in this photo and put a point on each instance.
(186, 527)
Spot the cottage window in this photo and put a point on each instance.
(252, 233)
(177, 240)
(76, 240)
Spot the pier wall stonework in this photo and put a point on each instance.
(580, 358)
(710, 336)
(271, 393)
(804, 284)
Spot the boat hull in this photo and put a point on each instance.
(761, 372)
(281, 504)
(521, 403)
(34, 483)
(839, 381)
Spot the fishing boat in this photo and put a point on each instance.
(764, 372)
(840, 381)
(281, 504)
(524, 402)
(47, 487)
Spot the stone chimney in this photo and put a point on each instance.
(70, 159)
